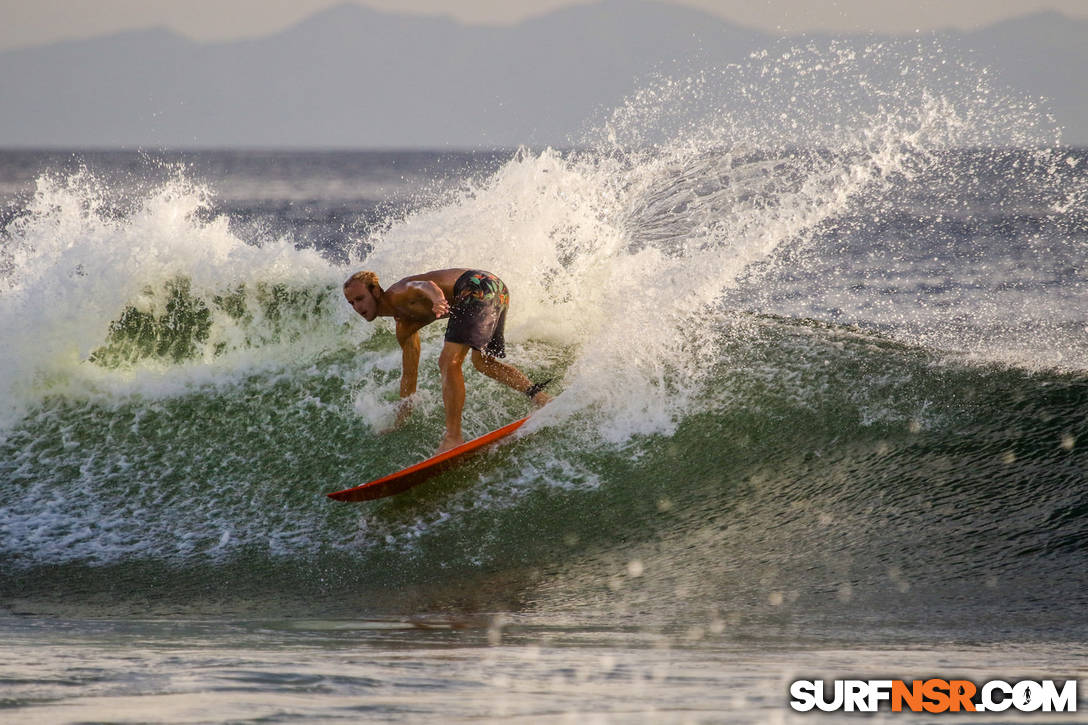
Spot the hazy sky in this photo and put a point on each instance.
(31, 22)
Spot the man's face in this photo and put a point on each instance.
(360, 298)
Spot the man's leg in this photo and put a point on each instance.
(506, 374)
(453, 392)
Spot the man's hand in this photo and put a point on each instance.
(441, 308)
(403, 411)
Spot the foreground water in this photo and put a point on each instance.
(182, 670)
(820, 410)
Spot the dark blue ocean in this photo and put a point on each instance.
(821, 409)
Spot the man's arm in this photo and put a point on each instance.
(408, 337)
(434, 294)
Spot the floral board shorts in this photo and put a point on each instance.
(478, 313)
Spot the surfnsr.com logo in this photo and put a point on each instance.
(933, 695)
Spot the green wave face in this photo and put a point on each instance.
(817, 467)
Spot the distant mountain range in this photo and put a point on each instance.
(351, 77)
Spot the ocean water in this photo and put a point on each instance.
(820, 348)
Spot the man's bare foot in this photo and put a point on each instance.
(541, 399)
(449, 442)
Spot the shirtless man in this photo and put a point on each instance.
(476, 303)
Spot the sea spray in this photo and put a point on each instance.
(624, 249)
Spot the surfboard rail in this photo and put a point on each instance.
(416, 474)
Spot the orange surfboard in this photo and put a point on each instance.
(414, 475)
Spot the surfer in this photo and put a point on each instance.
(475, 302)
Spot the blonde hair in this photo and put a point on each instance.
(368, 278)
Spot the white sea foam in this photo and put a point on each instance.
(622, 251)
(74, 265)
